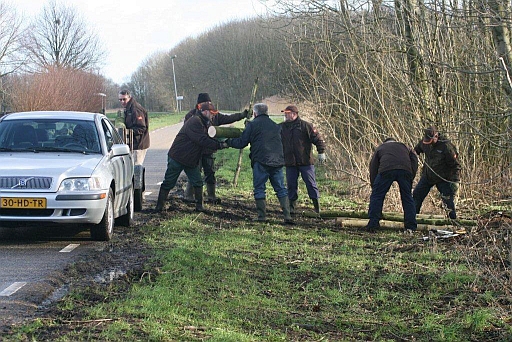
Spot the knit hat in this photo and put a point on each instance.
(203, 97)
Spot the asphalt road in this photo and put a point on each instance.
(31, 257)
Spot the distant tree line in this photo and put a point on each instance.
(223, 62)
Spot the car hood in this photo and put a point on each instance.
(48, 164)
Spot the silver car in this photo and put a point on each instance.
(65, 167)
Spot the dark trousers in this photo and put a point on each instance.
(380, 188)
(207, 164)
(307, 173)
(445, 188)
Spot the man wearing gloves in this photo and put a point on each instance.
(298, 136)
(267, 159)
(207, 158)
(440, 168)
(185, 153)
(392, 162)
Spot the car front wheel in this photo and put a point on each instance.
(104, 230)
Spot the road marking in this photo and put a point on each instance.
(147, 193)
(159, 183)
(12, 289)
(69, 248)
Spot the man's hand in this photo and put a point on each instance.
(247, 113)
(223, 145)
(321, 158)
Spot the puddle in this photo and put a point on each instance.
(106, 277)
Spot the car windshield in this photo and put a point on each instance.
(40, 135)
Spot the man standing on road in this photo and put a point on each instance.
(185, 153)
(392, 161)
(207, 158)
(267, 159)
(441, 168)
(136, 119)
(298, 137)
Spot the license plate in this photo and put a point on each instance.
(23, 203)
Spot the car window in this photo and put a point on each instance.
(49, 135)
(111, 135)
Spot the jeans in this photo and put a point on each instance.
(380, 188)
(307, 173)
(173, 172)
(445, 188)
(261, 173)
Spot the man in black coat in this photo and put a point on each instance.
(391, 162)
(267, 159)
(441, 168)
(207, 157)
(298, 137)
(185, 153)
(136, 119)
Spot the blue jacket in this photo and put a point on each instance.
(264, 135)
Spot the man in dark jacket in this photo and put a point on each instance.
(185, 153)
(267, 159)
(440, 168)
(136, 119)
(391, 162)
(298, 136)
(207, 158)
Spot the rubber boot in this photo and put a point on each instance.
(285, 206)
(162, 198)
(261, 209)
(293, 206)
(316, 205)
(210, 197)
(198, 193)
(188, 196)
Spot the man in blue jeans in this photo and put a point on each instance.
(267, 159)
(392, 161)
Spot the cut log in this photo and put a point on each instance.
(435, 220)
(358, 223)
(219, 132)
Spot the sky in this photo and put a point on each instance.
(133, 30)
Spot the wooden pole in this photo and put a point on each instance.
(436, 220)
(240, 154)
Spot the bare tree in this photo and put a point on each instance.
(58, 37)
(11, 33)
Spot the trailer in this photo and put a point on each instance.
(139, 172)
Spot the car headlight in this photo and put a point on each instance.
(80, 184)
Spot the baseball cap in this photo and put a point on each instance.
(430, 133)
(290, 109)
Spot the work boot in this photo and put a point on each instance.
(261, 209)
(198, 193)
(188, 196)
(162, 198)
(285, 206)
(292, 206)
(316, 205)
(210, 197)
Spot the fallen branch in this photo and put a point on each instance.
(435, 220)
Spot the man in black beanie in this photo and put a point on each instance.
(207, 158)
